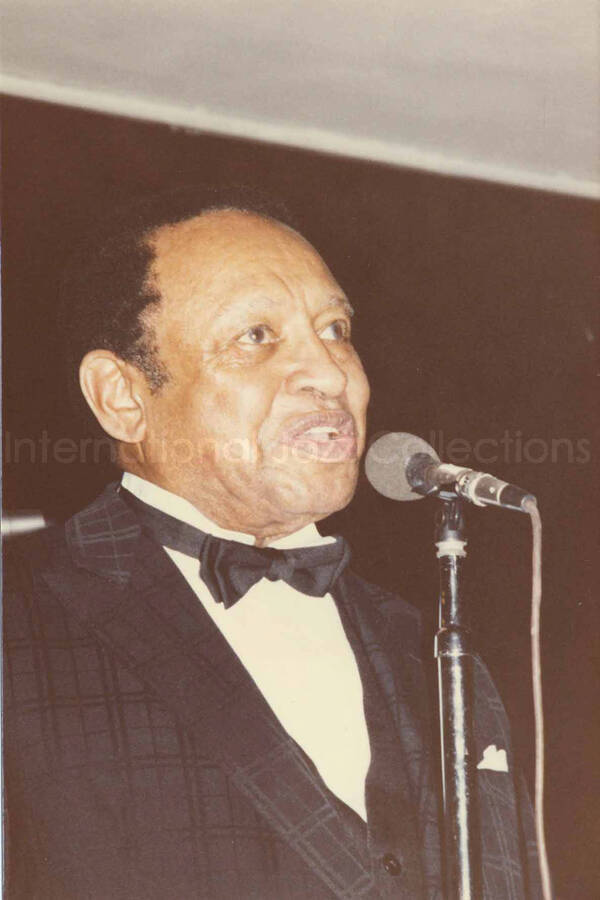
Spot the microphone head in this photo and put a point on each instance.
(386, 461)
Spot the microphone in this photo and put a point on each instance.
(405, 467)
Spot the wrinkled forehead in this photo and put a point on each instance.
(228, 247)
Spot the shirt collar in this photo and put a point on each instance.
(181, 509)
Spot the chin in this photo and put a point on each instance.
(317, 494)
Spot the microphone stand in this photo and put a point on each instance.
(455, 673)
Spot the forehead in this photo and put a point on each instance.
(226, 253)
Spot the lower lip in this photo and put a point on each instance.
(337, 449)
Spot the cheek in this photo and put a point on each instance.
(232, 405)
(165, 414)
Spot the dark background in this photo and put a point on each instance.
(476, 316)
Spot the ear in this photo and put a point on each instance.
(112, 390)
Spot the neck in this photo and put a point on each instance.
(263, 533)
(262, 538)
(228, 516)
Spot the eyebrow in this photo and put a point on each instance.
(230, 307)
(343, 302)
(258, 303)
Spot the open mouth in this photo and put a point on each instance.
(329, 435)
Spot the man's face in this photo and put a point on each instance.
(262, 421)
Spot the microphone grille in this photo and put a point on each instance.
(386, 460)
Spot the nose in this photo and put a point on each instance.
(314, 369)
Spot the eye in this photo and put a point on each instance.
(258, 334)
(336, 331)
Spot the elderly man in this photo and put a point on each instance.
(202, 701)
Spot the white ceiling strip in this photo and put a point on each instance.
(202, 119)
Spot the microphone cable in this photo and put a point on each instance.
(530, 507)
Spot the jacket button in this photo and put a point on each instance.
(391, 864)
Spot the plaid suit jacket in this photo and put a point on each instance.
(141, 761)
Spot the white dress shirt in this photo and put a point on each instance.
(294, 648)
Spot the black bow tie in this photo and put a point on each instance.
(229, 569)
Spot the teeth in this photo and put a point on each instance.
(323, 429)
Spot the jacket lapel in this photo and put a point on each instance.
(401, 798)
(131, 596)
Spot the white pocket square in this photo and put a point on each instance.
(493, 759)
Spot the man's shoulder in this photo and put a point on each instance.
(52, 577)
(92, 539)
